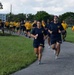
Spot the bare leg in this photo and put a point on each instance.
(48, 41)
(36, 51)
(57, 48)
(29, 35)
(53, 46)
(40, 52)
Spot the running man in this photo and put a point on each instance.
(65, 26)
(39, 35)
(55, 30)
(28, 28)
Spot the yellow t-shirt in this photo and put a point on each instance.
(17, 24)
(11, 24)
(28, 25)
(73, 28)
(6, 23)
(64, 26)
(14, 24)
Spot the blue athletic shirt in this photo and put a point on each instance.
(54, 28)
(41, 32)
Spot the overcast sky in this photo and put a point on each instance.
(55, 7)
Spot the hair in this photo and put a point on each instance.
(55, 16)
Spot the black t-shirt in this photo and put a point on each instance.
(41, 32)
(54, 28)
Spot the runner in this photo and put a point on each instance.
(22, 27)
(18, 27)
(28, 27)
(65, 26)
(55, 29)
(39, 35)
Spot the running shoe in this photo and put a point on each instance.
(39, 62)
(49, 47)
(56, 57)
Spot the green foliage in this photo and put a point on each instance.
(30, 17)
(19, 17)
(70, 20)
(65, 15)
(42, 15)
(68, 17)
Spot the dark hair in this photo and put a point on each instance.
(55, 16)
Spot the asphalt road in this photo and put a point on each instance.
(64, 65)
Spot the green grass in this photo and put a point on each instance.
(70, 35)
(15, 53)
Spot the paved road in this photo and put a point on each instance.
(64, 65)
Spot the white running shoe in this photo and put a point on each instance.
(56, 57)
(49, 46)
(39, 62)
(54, 52)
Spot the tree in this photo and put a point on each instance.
(66, 15)
(70, 20)
(30, 17)
(42, 15)
(18, 17)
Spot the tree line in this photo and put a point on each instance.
(68, 17)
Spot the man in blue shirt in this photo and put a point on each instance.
(55, 29)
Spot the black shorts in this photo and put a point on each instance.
(28, 30)
(17, 28)
(7, 27)
(54, 40)
(63, 33)
(23, 28)
(37, 44)
(14, 27)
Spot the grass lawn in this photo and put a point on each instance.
(70, 35)
(15, 53)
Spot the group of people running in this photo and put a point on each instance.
(53, 31)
